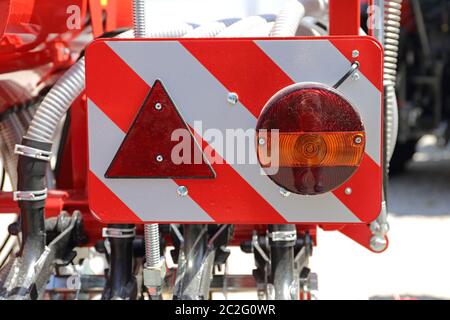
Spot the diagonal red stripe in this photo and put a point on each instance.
(361, 202)
(242, 67)
(370, 65)
(229, 193)
(112, 85)
(119, 92)
(103, 202)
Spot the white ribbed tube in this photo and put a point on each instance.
(56, 103)
(392, 17)
(288, 19)
(314, 8)
(241, 27)
(139, 21)
(208, 30)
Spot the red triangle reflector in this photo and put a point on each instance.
(148, 150)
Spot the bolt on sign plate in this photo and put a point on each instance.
(213, 91)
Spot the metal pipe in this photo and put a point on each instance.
(152, 250)
(151, 231)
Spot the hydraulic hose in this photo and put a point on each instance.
(121, 282)
(40, 134)
(55, 104)
(392, 18)
(32, 171)
(288, 19)
(151, 231)
(139, 18)
(152, 249)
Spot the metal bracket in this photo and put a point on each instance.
(30, 195)
(118, 233)
(354, 67)
(32, 152)
(283, 235)
(260, 250)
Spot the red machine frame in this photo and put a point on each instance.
(72, 176)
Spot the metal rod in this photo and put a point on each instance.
(352, 70)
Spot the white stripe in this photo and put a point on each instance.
(200, 96)
(149, 199)
(320, 61)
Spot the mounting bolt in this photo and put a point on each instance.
(375, 227)
(355, 54)
(284, 192)
(378, 243)
(232, 97)
(348, 191)
(14, 229)
(158, 106)
(261, 141)
(358, 139)
(355, 76)
(159, 158)
(182, 191)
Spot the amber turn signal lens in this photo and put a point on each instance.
(310, 139)
(324, 149)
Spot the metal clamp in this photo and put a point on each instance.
(32, 152)
(119, 233)
(258, 248)
(30, 195)
(283, 235)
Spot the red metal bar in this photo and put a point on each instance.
(96, 10)
(53, 206)
(73, 170)
(119, 14)
(345, 17)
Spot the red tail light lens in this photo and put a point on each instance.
(310, 139)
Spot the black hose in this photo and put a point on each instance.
(121, 283)
(32, 177)
(282, 263)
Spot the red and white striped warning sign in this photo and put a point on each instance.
(199, 75)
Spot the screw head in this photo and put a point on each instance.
(348, 191)
(14, 229)
(158, 106)
(262, 141)
(284, 192)
(182, 191)
(232, 97)
(356, 76)
(159, 158)
(378, 243)
(355, 53)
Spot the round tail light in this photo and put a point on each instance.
(310, 139)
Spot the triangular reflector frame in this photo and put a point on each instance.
(148, 150)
